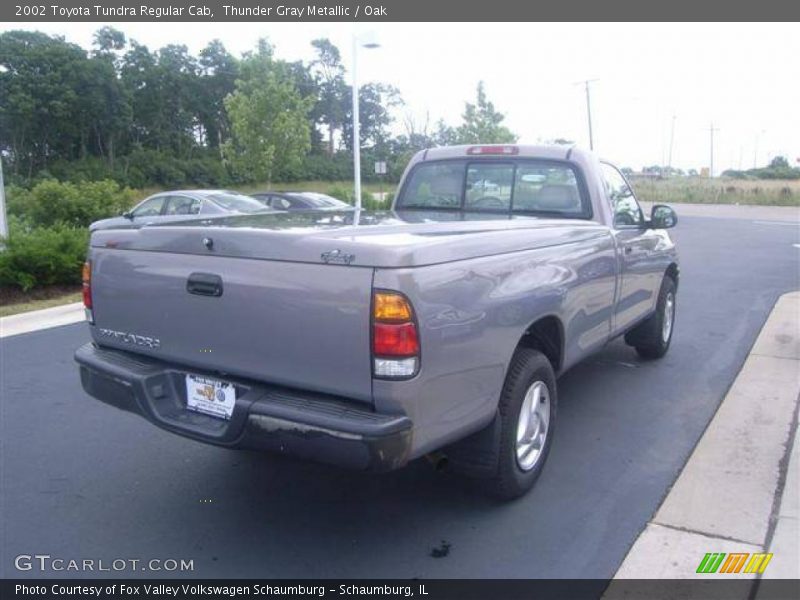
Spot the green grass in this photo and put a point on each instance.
(29, 305)
(718, 191)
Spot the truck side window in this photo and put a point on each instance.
(623, 203)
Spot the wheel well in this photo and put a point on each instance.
(547, 336)
(674, 273)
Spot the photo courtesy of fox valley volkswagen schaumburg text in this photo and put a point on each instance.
(276, 277)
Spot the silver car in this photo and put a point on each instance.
(180, 205)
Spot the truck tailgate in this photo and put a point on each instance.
(296, 324)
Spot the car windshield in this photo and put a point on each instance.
(520, 186)
(320, 200)
(237, 202)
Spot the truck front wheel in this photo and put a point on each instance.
(652, 337)
(527, 413)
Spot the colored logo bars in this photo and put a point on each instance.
(716, 562)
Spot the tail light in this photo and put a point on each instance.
(395, 341)
(87, 291)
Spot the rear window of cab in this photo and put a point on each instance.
(503, 186)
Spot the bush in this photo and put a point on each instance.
(41, 256)
(73, 204)
(368, 201)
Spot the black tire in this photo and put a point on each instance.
(527, 367)
(649, 337)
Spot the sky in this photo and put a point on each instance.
(654, 83)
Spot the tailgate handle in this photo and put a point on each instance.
(204, 284)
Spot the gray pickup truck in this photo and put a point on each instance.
(369, 339)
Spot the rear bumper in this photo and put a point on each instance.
(301, 424)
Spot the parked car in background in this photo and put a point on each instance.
(300, 201)
(180, 205)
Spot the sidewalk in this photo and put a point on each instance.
(41, 319)
(738, 493)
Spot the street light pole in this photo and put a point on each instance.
(367, 41)
(356, 128)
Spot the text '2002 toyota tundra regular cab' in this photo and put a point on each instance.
(369, 339)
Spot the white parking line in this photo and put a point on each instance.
(775, 223)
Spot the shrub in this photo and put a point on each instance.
(368, 201)
(74, 204)
(40, 256)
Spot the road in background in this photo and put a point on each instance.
(83, 480)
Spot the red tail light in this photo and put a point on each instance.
(390, 339)
(395, 342)
(87, 284)
(87, 290)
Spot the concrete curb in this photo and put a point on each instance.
(738, 492)
(41, 319)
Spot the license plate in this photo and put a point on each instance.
(210, 396)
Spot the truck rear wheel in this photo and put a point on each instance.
(527, 413)
(652, 337)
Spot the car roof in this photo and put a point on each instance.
(197, 193)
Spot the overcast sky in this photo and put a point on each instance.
(741, 77)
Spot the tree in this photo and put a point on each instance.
(482, 124)
(269, 119)
(779, 162)
(330, 109)
(40, 86)
(375, 103)
(218, 72)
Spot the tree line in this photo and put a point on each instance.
(167, 117)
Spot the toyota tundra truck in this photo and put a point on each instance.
(370, 339)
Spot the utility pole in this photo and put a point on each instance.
(586, 83)
(671, 141)
(711, 130)
(3, 221)
(755, 149)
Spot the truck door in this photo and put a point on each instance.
(640, 273)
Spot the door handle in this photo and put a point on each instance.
(204, 284)
(628, 249)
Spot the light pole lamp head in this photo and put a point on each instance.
(368, 40)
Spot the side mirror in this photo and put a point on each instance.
(128, 215)
(663, 217)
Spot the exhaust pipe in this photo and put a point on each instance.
(438, 460)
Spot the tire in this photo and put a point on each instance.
(530, 377)
(652, 337)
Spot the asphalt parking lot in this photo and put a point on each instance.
(83, 480)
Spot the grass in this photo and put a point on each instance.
(763, 192)
(38, 299)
